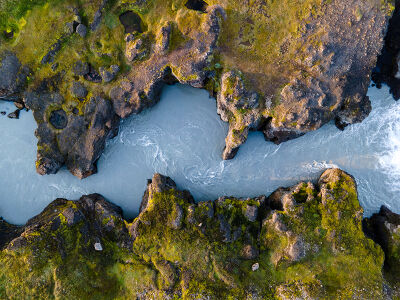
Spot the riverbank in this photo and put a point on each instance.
(304, 241)
(283, 70)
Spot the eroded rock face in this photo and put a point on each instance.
(330, 83)
(387, 69)
(76, 140)
(202, 250)
(384, 229)
(188, 64)
(13, 76)
(334, 85)
(240, 107)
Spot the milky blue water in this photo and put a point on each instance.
(183, 137)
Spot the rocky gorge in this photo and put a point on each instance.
(282, 68)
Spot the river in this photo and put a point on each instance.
(183, 137)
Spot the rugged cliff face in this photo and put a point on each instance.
(384, 228)
(387, 70)
(284, 68)
(305, 241)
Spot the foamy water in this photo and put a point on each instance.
(183, 137)
(389, 160)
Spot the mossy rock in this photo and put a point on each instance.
(311, 248)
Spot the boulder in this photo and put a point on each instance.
(78, 90)
(80, 68)
(81, 30)
(14, 114)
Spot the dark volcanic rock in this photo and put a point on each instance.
(97, 16)
(19, 104)
(58, 119)
(8, 34)
(14, 114)
(109, 74)
(81, 68)
(384, 229)
(93, 75)
(81, 30)
(89, 146)
(78, 90)
(164, 38)
(54, 49)
(71, 139)
(69, 28)
(387, 68)
(137, 48)
(12, 75)
(198, 5)
(8, 232)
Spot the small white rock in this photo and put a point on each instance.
(255, 267)
(98, 247)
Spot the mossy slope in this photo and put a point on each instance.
(301, 242)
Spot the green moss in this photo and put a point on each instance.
(339, 256)
(177, 38)
(302, 195)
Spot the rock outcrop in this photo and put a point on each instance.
(74, 138)
(282, 69)
(387, 70)
(303, 242)
(13, 76)
(384, 229)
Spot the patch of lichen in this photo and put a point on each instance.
(12, 13)
(40, 28)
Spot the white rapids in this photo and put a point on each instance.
(183, 137)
